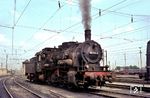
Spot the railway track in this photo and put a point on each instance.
(98, 93)
(32, 92)
(6, 89)
(114, 95)
(63, 92)
(119, 93)
(52, 93)
(57, 95)
(104, 92)
(110, 95)
(22, 89)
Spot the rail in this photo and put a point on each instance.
(6, 89)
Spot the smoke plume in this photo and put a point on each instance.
(85, 6)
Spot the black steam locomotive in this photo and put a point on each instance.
(146, 75)
(72, 64)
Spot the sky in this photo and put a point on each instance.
(120, 26)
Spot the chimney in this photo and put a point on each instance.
(87, 35)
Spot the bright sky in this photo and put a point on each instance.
(119, 26)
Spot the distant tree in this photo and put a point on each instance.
(117, 68)
(127, 67)
(133, 67)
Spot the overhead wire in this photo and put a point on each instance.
(121, 13)
(66, 29)
(124, 43)
(143, 27)
(121, 26)
(115, 5)
(127, 14)
(80, 22)
(105, 13)
(124, 25)
(38, 29)
(14, 21)
(22, 12)
(123, 48)
(6, 26)
(125, 32)
(95, 15)
(134, 51)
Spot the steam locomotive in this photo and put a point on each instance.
(146, 74)
(72, 64)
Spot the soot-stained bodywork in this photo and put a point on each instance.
(72, 64)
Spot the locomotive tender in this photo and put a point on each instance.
(72, 64)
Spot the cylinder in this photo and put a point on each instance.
(87, 35)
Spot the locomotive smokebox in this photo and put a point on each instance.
(87, 35)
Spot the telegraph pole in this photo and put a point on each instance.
(125, 60)
(106, 56)
(103, 57)
(6, 61)
(125, 63)
(140, 57)
(1, 65)
(115, 64)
